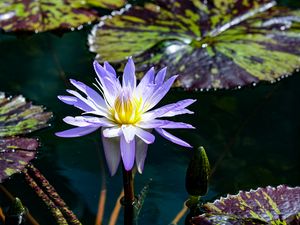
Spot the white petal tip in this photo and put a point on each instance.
(140, 170)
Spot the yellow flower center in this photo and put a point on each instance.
(126, 110)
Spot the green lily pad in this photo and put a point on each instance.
(43, 15)
(280, 205)
(210, 44)
(108, 4)
(18, 117)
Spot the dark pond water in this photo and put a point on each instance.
(252, 136)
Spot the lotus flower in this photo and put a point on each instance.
(125, 114)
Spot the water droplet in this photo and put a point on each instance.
(127, 6)
(101, 23)
(282, 28)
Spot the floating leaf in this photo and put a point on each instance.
(211, 44)
(43, 15)
(108, 4)
(15, 154)
(280, 205)
(18, 117)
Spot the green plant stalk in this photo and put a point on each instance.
(128, 200)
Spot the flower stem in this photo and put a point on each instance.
(128, 200)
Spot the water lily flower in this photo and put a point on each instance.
(125, 114)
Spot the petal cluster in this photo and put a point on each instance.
(124, 112)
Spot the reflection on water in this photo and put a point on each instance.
(252, 136)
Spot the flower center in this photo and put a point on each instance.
(127, 109)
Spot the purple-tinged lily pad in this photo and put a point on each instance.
(44, 15)
(18, 117)
(15, 154)
(280, 205)
(211, 44)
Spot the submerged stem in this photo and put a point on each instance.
(128, 200)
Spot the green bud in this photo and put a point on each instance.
(197, 174)
(16, 213)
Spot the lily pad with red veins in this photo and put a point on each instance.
(18, 117)
(44, 15)
(210, 44)
(270, 205)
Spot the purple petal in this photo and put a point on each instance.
(110, 69)
(128, 132)
(140, 155)
(127, 152)
(144, 83)
(129, 79)
(77, 132)
(110, 85)
(76, 121)
(161, 92)
(178, 112)
(172, 138)
(169, 109)
(86, 101)
(146, 136)
(112, 132)
(99, 121)
(100, 71)
(160, 77)
(112, 153)
(148, 78)
(70, 100)
(164, 124)
(176, 125)
(82, 121)
(90, 93)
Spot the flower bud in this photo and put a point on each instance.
(197, 174)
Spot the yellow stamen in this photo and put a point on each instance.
(126, 110)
